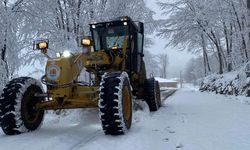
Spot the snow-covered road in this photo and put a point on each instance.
(189, 120)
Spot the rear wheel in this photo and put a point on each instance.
(18, 113)
(158, 94)
(115, 103)
(142, 73)
(152, 95)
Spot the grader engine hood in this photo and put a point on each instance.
(62, 73)
(65, 70)
(62, 70)
(98, 58)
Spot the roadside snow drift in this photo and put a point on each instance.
(232, 83)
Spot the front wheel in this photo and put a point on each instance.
(18, 113)
(115, 104)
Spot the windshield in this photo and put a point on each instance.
(109, 37)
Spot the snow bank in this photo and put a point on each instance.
(232, 83)
(167, 84)
(163, 80)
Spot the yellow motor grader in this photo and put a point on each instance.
(113, 57)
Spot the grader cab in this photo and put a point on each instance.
(114, 58)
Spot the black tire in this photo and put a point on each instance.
(142, 73)
(17, 111)
(115, 105)
(158, 96)
(152, 94)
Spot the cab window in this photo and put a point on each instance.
(140, 42)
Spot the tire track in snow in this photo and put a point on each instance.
(178, 119)
(83, 142)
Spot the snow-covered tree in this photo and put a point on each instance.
(63, 22)
(152, 64)
(163, 63)
(13, 40)
(209, 27)
(194, 70)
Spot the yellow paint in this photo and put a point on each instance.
(67, 94)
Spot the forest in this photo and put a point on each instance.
(216, 31)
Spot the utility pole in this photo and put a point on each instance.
(181, 79)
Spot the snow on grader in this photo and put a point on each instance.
(114, 57)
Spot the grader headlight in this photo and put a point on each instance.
(66, 54)
(86, 41)
(43, 45)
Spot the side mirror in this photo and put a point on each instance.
(87, 41)
(141, 27)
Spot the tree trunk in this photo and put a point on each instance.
(61, 14)
(220, 61)
(243, 46)
(230, 67)
(216, 42)
(164, 61)
(205, 56)
(219, 51)
(4, 48)
(66, 9)
(58, 22)
(229, 59)
(248, 7)
(103, 7)
(91, 12)
(78, 21)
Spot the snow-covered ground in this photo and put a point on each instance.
(189, 120)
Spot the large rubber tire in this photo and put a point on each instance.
(158, 92)
(152, 95)
(115, 103)
(142, 73)
(17, 106)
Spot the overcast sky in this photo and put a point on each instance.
(177, 59)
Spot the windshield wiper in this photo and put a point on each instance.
(115, 42)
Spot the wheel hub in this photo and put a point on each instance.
(126, 103)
